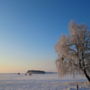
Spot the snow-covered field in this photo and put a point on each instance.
(41, 82)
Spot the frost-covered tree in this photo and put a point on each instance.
(74, 51)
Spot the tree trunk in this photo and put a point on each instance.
(87, 76)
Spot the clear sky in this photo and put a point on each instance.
(29, 30)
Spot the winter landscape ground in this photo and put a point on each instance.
(41, 82)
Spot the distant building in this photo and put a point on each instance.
(18, 73)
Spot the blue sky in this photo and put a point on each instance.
(29, 30)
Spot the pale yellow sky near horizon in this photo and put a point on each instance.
(14, 67)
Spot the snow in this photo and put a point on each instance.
(41, 82)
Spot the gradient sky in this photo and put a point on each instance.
(29, 30)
